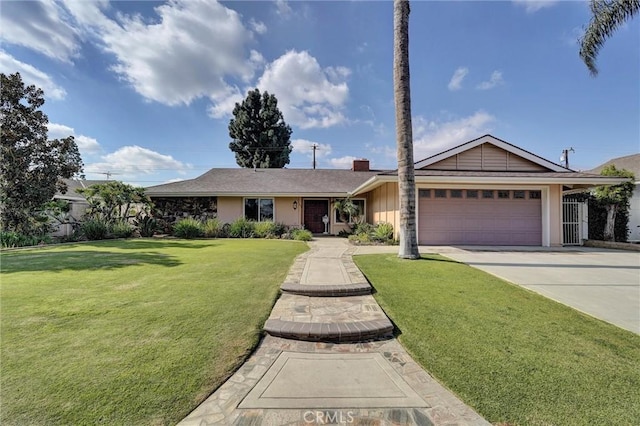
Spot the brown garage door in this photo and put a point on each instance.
(479, 217)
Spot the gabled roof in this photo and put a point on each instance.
(551, 166)
(629, 162)
(73, 185)
(280, 182)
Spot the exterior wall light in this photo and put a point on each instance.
(295, 204)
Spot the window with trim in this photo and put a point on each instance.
(503, 194)
(487, 193)
(456, 193)
(424, 193)
(535, 195)
(518, 195)
(472, 193)
(361, 211)
(258, 209)
(441, 193)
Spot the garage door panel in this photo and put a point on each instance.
(480, 221)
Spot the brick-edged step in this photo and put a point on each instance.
(332, 290)
(328, 319)
(330, 332)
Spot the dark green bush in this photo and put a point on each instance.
(95, 229)
(10, 239)
(224, 231)
(147, 226)
(188, 228)
(242, 228)
(363, 228)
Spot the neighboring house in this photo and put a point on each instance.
(631, 163)
(77, 201)
(483, 192)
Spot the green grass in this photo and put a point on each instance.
(515, 356)
(130, 332)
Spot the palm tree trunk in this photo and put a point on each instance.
(404, 134)
(610, 225)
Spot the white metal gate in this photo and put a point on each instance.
(573, 213)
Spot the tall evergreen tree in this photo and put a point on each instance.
(31, 166)
(261, 138)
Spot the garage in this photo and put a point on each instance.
(479, 217)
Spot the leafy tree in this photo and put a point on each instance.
(31, 167)
(607, 16)
(115, 200)
(404, 136)
(261, 138)
(614, 198)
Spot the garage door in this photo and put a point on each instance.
(479, 217)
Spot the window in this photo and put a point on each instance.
(456, 193)
(518, 195)
(503, 195)
(535, 195)
(424, 193)
(472, 193)
(258, 209)
(361, 212)
(441, 193)
(487, 193)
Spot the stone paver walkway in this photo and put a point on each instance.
(303, 372)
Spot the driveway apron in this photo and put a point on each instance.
(329, 357)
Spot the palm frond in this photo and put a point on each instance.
(608, 15)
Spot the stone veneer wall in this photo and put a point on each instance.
(171, 209)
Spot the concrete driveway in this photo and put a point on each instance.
(602, 283)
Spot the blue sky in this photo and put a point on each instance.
(147, 87)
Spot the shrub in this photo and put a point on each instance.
(9, 239)
(147, 226)
(224, 231)
(242, 228)
(361, 238)
(279, 229)
(383, 232)
(95, 228)
(363, 228)
(121, 229)
(266, 229)
(301, 234)
(211, 228)
(188, 228)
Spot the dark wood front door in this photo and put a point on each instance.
(314, 210)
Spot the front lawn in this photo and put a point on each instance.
(515, 356)
(130, 332)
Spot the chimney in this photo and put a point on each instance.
(361, 165)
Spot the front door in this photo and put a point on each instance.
(314, 210)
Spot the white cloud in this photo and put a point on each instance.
(345, 162)
(432, 137)
(532, 6)
(305, 147)
(132, 161)
(42, 26)
(283, 9)
(86, 144)
(456, 80)
(306, 95)
(31, 75)
(257, 26)
(190, 51)
(495, 80)
(224, 104)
